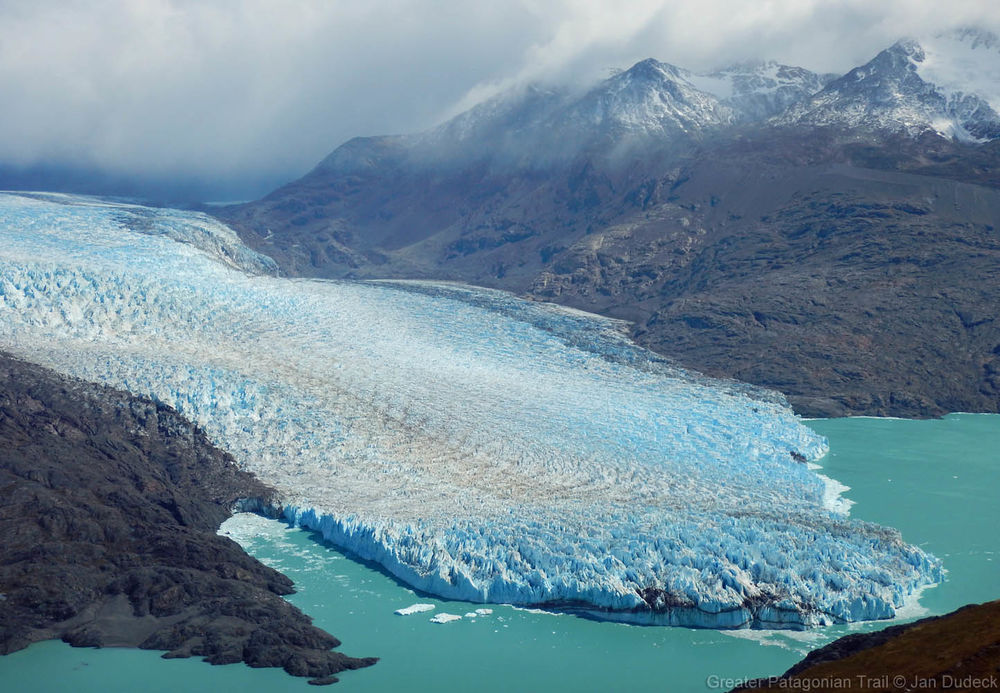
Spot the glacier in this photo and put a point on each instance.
(476, 446)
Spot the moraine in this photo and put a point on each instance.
(476, 446)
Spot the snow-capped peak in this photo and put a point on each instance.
(539, 123)
(651, 97)
(654, 95)
(948, 83)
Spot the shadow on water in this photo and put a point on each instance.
(579, 609)
(319, 539)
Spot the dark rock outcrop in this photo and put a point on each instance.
(959, 651)
(109, 509)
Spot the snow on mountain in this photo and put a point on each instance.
(965, 66)
(948, 83)
(475, 445)
(756, 91)
(537, 124)
(651, 97)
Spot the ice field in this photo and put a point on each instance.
(475, 445)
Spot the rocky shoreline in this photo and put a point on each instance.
(108, 525)
(959, 651)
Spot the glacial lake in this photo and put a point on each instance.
(936, 481)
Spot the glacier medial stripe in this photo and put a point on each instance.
(476, 446)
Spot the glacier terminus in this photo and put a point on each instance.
(475, 445)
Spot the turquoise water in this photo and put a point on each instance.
(937, 482)
(934, 480)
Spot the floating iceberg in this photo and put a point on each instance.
(477, 446)
(414, 609)
(445, 618)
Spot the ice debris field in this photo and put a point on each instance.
(477, 446)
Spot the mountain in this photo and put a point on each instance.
(759, 90)
(535, 127)
(659, 98)
(530, 138)
(948, 84)
(851, 265)
(652, 98)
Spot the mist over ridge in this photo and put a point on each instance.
(177, 100)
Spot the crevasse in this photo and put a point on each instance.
(475, 445)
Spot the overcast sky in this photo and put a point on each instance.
(256, 92)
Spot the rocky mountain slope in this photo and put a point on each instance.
(850, 263)
(959, 651)
(108, 522)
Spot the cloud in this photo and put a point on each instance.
(260, 91)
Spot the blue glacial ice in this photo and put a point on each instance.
(476, 446)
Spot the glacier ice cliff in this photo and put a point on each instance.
(476, 446)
